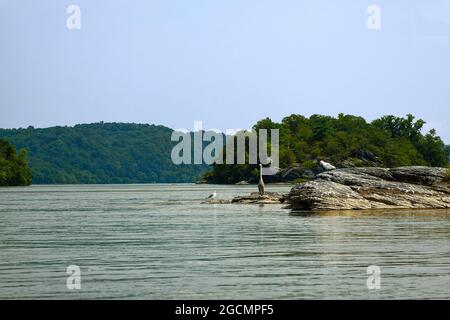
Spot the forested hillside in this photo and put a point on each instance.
(101, 153)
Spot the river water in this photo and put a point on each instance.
(160, 242)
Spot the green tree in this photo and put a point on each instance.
(14, 170)
(389, 141)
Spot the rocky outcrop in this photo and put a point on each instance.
(256, 198)
(298, 171)
(373, 188)
(295, 172)
(253, 198)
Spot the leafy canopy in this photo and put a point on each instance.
(389, 142)
(14, 170)
(102, 153)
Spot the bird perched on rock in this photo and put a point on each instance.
(212, 195)
(326, 166)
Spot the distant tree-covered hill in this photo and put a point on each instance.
(14, 170)
(101, 153)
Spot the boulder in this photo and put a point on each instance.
(373, 188)
(293, 172)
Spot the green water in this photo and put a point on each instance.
(160, 242)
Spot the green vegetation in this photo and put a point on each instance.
(346, 140)
(140, 153)
(101, 153)
(14, 169)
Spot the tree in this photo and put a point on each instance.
(389, 141)
(14, 170)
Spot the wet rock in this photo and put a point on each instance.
(256, 198)
(216, 201)
(253, 198)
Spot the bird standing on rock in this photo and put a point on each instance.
(212, 195)
(261, 182)
(326, 166)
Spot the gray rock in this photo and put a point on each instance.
(419, 175)
(373, 188)
(253, 198)
(293, 173)
(256, 198)
(365, 155)
(216, 201)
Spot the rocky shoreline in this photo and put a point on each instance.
(374, 188)
(362, 188)
(253, 198)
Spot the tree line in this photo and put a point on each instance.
(101, 153)
(141, 153)
(344, 141)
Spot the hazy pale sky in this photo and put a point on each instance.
(226, 62)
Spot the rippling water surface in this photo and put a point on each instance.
(160, 242)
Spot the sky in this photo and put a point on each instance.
(228, 63)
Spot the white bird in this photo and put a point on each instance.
(212, 195)
(326, 165)
(261, 182)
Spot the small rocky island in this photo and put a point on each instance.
(373, 188)
(361, 189)
(253, 198)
